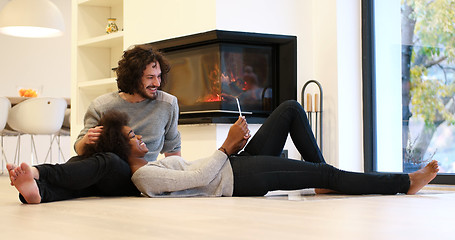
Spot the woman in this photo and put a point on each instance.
(101, 171)
(257, 169)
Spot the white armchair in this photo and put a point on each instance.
(38, 116)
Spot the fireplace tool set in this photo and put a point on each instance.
(313, 109)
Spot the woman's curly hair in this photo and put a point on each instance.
(112, 138)
(132, 65)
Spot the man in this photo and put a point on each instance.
(153, 113)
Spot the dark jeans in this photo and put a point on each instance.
(259, 169)
(103, 174)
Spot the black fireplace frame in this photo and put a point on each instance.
(285, 50)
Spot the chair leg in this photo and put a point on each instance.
(18, 150)
(60, 150)
(51, 141)
(55, 138)
(49, 151)
(4, 159)
(33, 153)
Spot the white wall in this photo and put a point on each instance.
(154, 20)
(336, 64)
(30, 63)
(349, 87)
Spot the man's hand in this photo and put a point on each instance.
(237, 137)
(91, 137)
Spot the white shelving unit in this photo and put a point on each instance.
(94, 54)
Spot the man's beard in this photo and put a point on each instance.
(142, 92)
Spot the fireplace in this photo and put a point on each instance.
(210, 70)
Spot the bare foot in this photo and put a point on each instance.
(22, 179)
(9, 167)
(324, 191)
(422, 177)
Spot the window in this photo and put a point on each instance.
(409, 85)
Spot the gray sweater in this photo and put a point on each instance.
(175, 177)
(156, 120)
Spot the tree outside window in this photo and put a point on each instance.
(409, 84)
(428, 83)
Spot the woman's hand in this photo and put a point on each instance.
(237, 137)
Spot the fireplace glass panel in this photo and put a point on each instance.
(210, 77)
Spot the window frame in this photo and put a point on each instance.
(369, 94)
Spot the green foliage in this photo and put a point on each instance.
(434, 49)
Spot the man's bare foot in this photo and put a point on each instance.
(422, 177)
(22, 178)
(323, 191)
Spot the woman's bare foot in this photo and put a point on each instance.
(9, 167)
(22, 178)
(422, 177)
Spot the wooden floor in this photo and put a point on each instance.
(301, 215)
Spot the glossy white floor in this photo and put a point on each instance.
(301, 215)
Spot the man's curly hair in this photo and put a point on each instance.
(112, 138)
(132, 65)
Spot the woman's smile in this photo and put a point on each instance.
(136, 143)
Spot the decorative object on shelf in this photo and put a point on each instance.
(32, 19)
(111, 25)
(314, 110)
